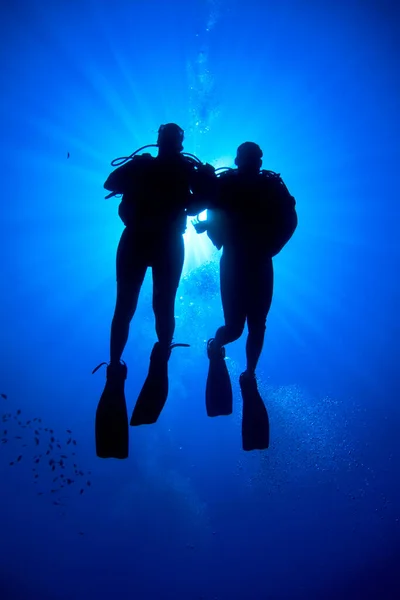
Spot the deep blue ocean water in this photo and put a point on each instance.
(190, 515)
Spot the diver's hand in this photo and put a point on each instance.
(200, 226)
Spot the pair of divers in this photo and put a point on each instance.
(251, 215)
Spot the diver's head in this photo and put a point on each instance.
(248, 157)
(170, 138)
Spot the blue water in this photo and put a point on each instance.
(190, 516)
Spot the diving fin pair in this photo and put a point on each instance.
(154, 393)
(219, 400)
(111, 427)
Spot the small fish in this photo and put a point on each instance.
(37, 460)
(51, 430)
(19, 411)
(36, 432)
(5, 432)
(28, 422)
(62, 475)
(68, 155)
(69, 481)
(69, 431)
(40, 493)
(4, 396)
(53, 491)
(53, 468)
(18, 437)
(74, 442)
(51, 461)
(37, 441)
(69, 441)
(81, 533)
(11, 463)
(81, 492)
(48, 452)
(58, 446)
(52, 439)
(88, 483)
(19, 458)
(64, 456)
(37, 475)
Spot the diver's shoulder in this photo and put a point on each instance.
(228, 174)
(142, 158)
(269, 174)
(140, 162)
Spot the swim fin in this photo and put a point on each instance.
(111, 428)
(154, 393)
(255, 422)
(219, 397)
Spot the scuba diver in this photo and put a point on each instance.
(254, 217)
(157, 195)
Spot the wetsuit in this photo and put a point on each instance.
(158, 194)
(252, 228)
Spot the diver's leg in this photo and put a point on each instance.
(260, 288)
(167, 262)
(112, 426)
(233, 297)
(167, 271)
(131, 270)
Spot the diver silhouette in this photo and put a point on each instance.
(254, 218)
(158, 194)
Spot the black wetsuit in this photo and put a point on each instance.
(158, 194)
(247, 226)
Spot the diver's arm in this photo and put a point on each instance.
(118, 179)
(203, 184)
(200, 226)
(214, 225)
(195, 207)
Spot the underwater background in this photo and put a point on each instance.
(190, 515)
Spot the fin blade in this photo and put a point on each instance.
(255, 420)
(151, 400)
(111, 426)
(154, 393)
(219, 397)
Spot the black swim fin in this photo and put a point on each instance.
(219, 397)
(112, 429)
(255, 421)
(154, 393)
